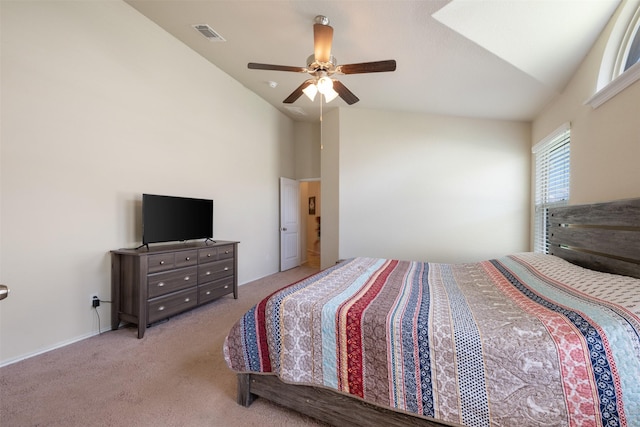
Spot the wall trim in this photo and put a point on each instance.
(616, 86)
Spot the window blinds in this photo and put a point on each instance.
(552, 159)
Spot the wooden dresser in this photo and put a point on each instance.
(149, 285)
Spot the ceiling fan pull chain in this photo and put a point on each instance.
(321, 141)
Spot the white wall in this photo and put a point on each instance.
(605, 142)
(98, 106)
(434, 188)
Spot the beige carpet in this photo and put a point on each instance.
(175, 376)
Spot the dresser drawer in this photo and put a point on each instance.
(215, 270)
(212, 290)
(207, 254)
(225, 252)
(186, 258)
(216, 253)
(162, 307)
(161, 262)
(170, 281)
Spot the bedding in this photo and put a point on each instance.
(527, 339)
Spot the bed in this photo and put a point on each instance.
(525, 339)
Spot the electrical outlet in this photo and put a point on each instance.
(95, 301)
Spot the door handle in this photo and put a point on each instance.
(283, 229)
(4, 292)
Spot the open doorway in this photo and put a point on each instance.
(310, 224)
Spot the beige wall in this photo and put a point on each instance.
(330, 188)
(426, 187)
(98, 106)
(307, 150)
(605, 142)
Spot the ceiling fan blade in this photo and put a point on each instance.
(322, 39)
(256, 66)
(368, 67)
(345, 93)
(297, 93)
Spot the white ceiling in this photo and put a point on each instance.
(503, 59)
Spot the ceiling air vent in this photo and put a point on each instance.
(296, 110)
(209, 33)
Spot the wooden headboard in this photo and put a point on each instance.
(600, 236)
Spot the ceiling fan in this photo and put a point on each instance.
(322, 66)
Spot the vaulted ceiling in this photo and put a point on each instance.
(503, 59)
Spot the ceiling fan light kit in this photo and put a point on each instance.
(311, 91)
(322, 66)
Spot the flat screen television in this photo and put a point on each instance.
(170, 218)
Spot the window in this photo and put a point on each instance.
(620, 66)
(551, 181)
(630, 48)
(633, 55)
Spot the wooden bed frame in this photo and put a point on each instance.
(602, 236)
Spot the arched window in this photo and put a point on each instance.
(620, 65)
(630, 49)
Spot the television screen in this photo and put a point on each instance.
(169, 218)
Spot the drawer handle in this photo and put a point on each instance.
(208, 293)
(226, 252)
(207, 273)
(226, 268)
(187, 258)
(226, 287)
(161, 308)
(186, 278)
(161, 284)
(208, 255)
(187, 300)
(161, 262)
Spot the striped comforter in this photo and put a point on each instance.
(527, 339)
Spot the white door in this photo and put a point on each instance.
(289, 224)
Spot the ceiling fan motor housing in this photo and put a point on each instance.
(314, 66)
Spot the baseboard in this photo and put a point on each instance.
(48, 349)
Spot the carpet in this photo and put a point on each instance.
(175, 376)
